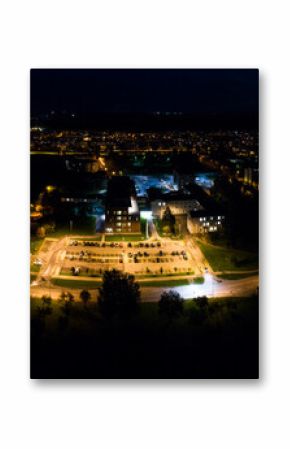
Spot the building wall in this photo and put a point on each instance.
(205, 224)
(177, 207)
(181, 223)
(119, 220)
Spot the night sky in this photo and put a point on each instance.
(91, 91)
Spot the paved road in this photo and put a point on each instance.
(153, 231)
(211, 288)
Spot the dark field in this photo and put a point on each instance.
(85, 345)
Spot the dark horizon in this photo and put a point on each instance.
(171, 96)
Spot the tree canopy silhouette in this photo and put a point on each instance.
(170, 304)
(118, 295)
(85, 296)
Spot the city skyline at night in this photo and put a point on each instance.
(144, 213)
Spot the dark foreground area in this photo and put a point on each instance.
(221, 341)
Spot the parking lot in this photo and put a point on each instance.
(91, 258)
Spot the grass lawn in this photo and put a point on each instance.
(158, 226)
(35, 244)
(65, 272)
(63, 232)
(69, 283)
(198, 280)
(227, 259)
(86, 226)
(163, 283)
(34, 268)
(81, 226)
(91, 273)
(90, 239)
(32, 277)
(75, 283)
(236, 276)
(165, 275)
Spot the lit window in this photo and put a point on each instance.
(219, 218)
(219, 222)
(119, 212)
(118, 224)
(159, 204)
(201, 219)
(164, 204)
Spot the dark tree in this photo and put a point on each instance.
(45, 309)
(67, 299)
(200, 310)
(170, 304)
(202, 301)
(38, 322)
(168, 220)
(197, 315)
(85, 296)
(119, 294)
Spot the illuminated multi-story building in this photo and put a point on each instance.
(177, 202)
(122, 212)
(202, 222)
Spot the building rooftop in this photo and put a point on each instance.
(175, 196)
(121, 189)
